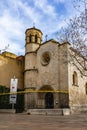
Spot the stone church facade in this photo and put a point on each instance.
(54, 75)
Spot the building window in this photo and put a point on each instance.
(30, 38)
(75, 79)
(86, 88)
(36, 38)
(45, 58)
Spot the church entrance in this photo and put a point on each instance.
(49, 100)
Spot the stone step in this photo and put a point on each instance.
(45, 111)
(7, 111)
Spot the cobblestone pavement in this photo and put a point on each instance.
(42, 122)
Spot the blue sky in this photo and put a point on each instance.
(18, 15)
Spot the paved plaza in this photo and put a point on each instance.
(42, 122)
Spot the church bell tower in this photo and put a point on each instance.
(33, 42)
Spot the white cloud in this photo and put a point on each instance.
(10, 24)
(18, 15)
(59, 1)
(11, 31)
(45, 7)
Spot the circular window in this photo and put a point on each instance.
(45, 59)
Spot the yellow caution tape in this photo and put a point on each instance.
(35, 91)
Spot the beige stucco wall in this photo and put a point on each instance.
(10, 67)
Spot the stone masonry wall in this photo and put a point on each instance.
(77, 93)
(48, 74)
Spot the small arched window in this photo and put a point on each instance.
(30, 38)
(75, 78)
(36, 38)
(86, 88)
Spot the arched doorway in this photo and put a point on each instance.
(49, 100)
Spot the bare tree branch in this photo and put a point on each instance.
(76, 34)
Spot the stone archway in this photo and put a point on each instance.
(49, 100)
(46, 97)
